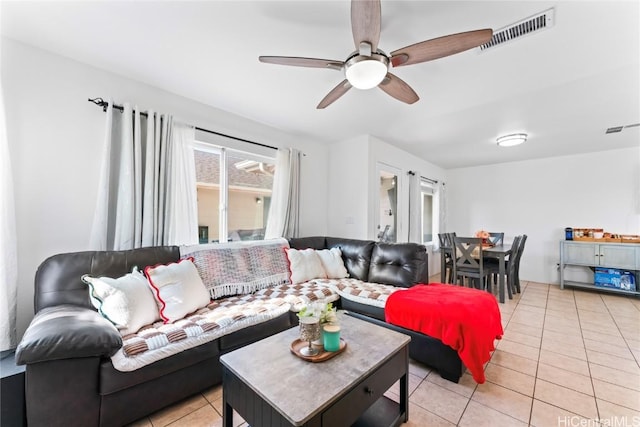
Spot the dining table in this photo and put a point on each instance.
(499, 252)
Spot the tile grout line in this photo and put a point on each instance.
(591, 378)
(589, 363)
(476, 386)
(535, 378)
(623, 337)
(593, 387)
(560, 385)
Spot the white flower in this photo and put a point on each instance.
(325, 312)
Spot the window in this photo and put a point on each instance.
(427, 196)
(234, 193)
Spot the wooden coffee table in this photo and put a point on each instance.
(269, 386)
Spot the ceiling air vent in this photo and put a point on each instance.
(527, 26)
(617, 129)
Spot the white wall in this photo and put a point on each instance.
(542, 197)
(348, 188)
(353, 187)
(55, 137)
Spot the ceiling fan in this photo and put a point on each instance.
(368, 66)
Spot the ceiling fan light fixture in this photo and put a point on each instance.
(511, 140)
(368, 66)
(366, 72)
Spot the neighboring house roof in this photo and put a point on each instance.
(208, 171)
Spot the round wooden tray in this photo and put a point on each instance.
(297, 345)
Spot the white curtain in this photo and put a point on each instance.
(147, 193)
(284, 212)
(99, 230)
(437, 207)
(8, 242)
(415, 208)
(442, 198)
(182, 195)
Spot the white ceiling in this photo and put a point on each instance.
(563, 86)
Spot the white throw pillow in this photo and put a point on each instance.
(178, 289)
(305, 265)
(333, 263)
(127, 301)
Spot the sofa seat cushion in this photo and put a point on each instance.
(316, 290)
(221, 317)
(373, 294)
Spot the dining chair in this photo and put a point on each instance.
(469, 261)
(446, 258)
(496, 238)
(516, 263)
(449, 239)
(491, 264)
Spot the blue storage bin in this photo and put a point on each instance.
(615, 278)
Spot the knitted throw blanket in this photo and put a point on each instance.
(240, 267)
(373, 294)
(221, 317)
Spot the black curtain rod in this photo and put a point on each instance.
(433, 181)
(104, 104)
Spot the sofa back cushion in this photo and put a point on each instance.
(399, 264)
(58, 278)
(356, 255)
(314, 242)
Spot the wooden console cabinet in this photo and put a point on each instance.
(624, 256)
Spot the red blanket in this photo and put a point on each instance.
(465, 319)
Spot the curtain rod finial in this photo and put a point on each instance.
(100, 102)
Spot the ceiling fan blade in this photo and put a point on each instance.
(438, 48)
(335, 93)
(365, 22)
(302, 62)
(396, 87)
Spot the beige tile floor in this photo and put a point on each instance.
(568, 358)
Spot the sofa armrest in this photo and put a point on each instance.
(67, 332)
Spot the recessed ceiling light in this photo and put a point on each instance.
(511, 140)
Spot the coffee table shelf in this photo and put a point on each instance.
(385, 412)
